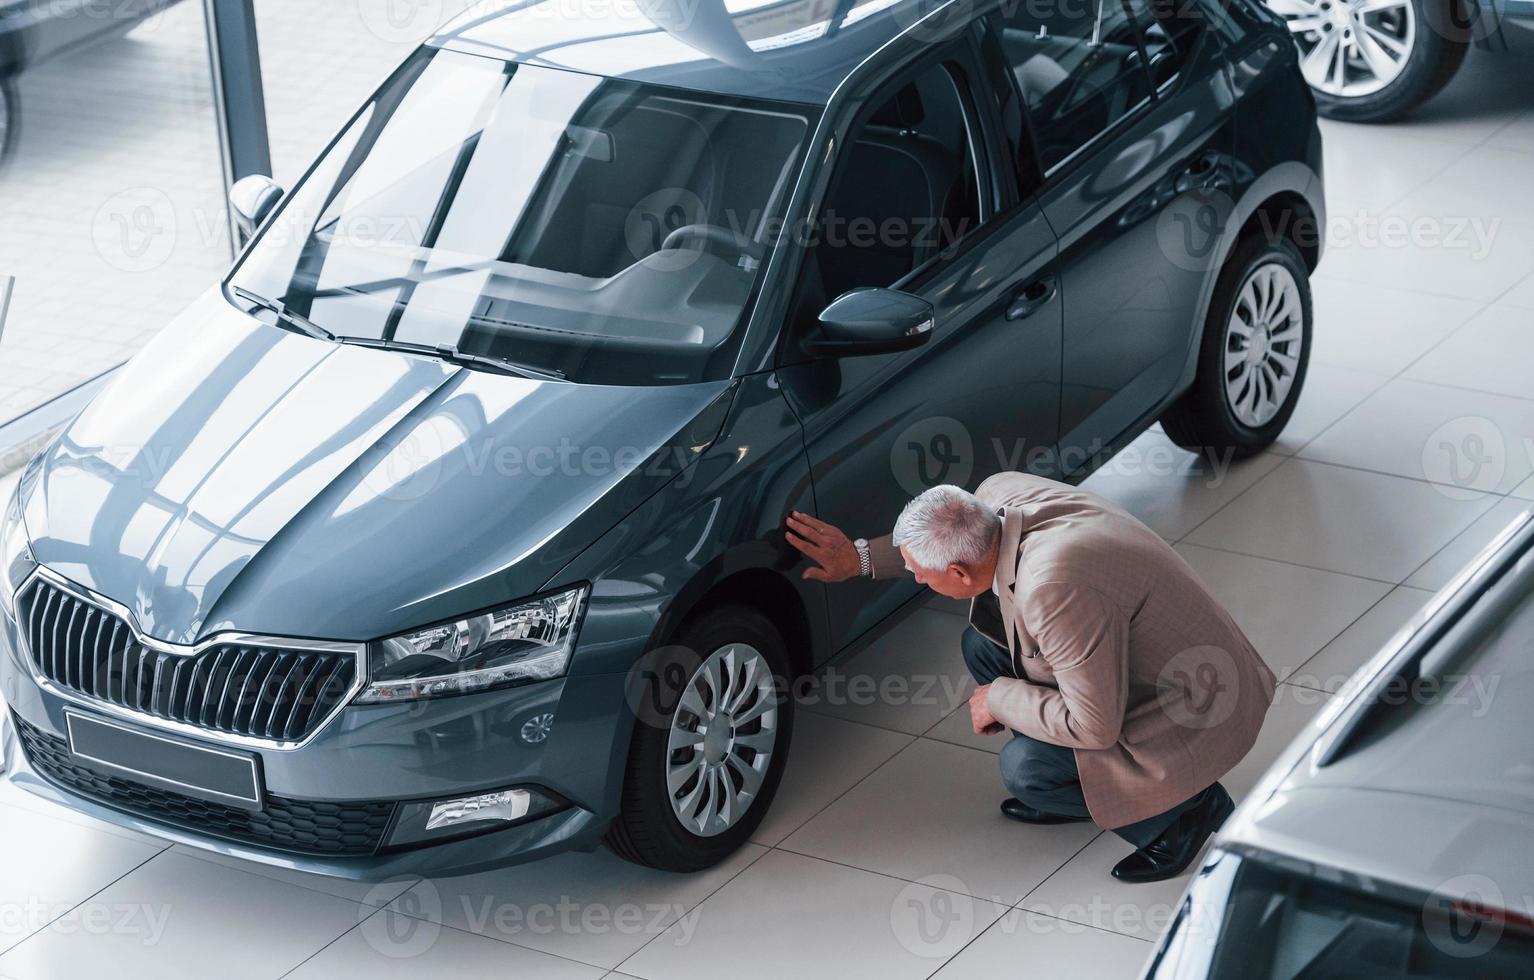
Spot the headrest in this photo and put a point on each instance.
(904, 111)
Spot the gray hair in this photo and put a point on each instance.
(947, 525)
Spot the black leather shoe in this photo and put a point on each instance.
(1168, 855)
(1018, 810)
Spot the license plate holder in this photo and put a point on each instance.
(216, 775)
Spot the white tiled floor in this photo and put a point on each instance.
(885, 856)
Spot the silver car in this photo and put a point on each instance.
(1395, 837)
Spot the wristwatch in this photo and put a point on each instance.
(865, 561)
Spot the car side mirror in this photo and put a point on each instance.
(871, 321)
(252, 199)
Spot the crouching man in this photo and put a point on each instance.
(1128, 690)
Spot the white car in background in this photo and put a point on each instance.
(1395, 837)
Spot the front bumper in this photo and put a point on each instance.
(436, 749)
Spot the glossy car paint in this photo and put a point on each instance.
(268, 464)
(32, 31)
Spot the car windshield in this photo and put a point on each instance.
(599, 230)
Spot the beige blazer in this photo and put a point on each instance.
(1120, 652)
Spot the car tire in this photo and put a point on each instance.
(1433, 34)
(701, 821)
(1264, 291)
(10, 118)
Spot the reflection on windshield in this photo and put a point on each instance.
(600, 229)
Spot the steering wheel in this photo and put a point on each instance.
(714, 235)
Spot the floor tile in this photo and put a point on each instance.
(906, 680)
(177, 917)
(389, 946)
(1521, 295)
(51, 865)
(1371, 328)
(1441, 569)
(1372, 167)
(376, 894)
(1331, 668)
(1526, 491)
(1329, 393)
(1455, 437)
(1292, 710)
(1085, 892)
(932, 810)
(1342, 520)
(1263, 597)
(1040, 947)
(1475, 256)
(1487, 183)
(824, 920)
(1171, 489)
(1518, 134)
(592, 908)
(828, 757)
(956, 729)
(1493, 352)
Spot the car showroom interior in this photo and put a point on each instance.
(687, 489)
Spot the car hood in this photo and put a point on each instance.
(237, 476)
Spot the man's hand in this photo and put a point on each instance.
(980, 715)
(832, 551)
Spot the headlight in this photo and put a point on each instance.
(15, 553)
(530, 641)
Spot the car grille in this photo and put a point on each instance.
(339, 829)
(238, 688)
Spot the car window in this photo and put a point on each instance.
(1079, 68)
(1171, 31)
(609, 231)
(904, 189)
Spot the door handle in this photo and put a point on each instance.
(1032, 298)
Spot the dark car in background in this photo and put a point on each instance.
(33, 31)
(447, 532)
(1376, 60)
(1395, 836)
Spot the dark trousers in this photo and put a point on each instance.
(1043, 775)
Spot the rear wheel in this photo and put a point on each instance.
(1256, 349)
(1375, 60)
(709, 746)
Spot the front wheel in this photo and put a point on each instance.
(710, 743)
(1376, 60)
(1255, 352)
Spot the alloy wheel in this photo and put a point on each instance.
(722, 738)
(1262, 344)
(1351, 48)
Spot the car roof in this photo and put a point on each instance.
(792, 50)
(1428, 787)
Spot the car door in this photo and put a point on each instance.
(1131, 113)
(983, 393)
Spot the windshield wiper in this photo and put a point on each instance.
(297, 320)
(453, 355)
